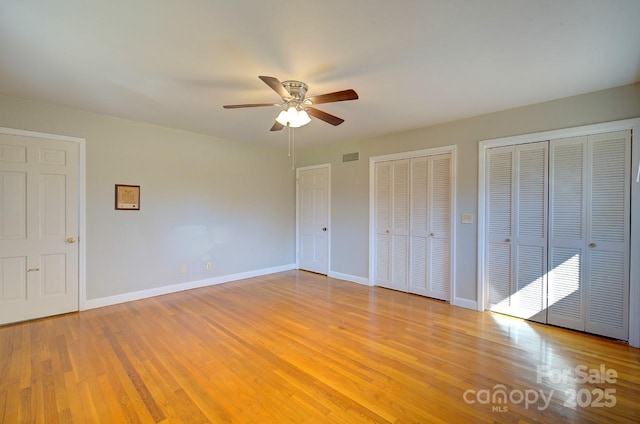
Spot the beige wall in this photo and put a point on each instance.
(202, 199)
(350, 181)
(207, 199)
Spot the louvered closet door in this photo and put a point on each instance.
(430, 226)
(382, 217)
(400, 225)
(392, 224)
(517, 222)
(589, 245)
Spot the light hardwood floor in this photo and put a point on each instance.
(296, 347)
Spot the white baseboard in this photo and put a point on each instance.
(465, 303)
(157, 291)
(348, 277)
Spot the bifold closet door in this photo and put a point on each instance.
(590, 227)
(430, 230)
(517, 230)
(392, 224)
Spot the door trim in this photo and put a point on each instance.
(82, 205)
(307, 168)
(452, 248)
(634, 275)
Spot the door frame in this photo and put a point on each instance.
(634, 251)
(298, 197)
(372, 229)
(82, 205)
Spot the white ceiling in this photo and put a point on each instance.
(413, 63)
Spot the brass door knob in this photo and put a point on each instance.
(592, 245)
(508, 240)
(71, 240)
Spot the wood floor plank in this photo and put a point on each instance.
(297, 347)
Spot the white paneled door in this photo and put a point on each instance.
(38, 227)
(313, 219)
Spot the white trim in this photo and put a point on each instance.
(634, 249)
(452, 150)
(352, 278)
(465, 303)
(307, 168)
(158, 291)
(634, 276)
(82, 202)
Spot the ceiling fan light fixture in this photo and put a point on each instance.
(293, 117)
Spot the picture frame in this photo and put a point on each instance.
(127, 197)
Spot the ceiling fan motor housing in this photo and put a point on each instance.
(297, 89)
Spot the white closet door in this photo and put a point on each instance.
(431, 226)
(568, 218)
(413, 225)
(382, 217)
(589, 244)
(608, 229)
(517, 223)
(529, 290)
(400, 225)
(499, 271)
(392, 224)
(420, 225)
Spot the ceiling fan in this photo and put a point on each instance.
(297, 107)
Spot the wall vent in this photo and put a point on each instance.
(350, 157)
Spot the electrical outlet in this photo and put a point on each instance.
(183, 269)
(209, 266)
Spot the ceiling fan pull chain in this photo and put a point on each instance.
(289, 129)
(293, 150)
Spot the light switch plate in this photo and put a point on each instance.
(467, 218)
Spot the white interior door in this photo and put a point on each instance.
(39, 227)
(313, 219)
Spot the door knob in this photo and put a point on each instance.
(508, 240)
(432, 234)
(324, 228)
(592, 245)
(71, 240)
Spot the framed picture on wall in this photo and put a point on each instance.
(127, 197)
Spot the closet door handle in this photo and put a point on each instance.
(592, 245)
(508, 240)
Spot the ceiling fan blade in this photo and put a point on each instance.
(276, 86)
(338, 96)
(326, 117)
(277, 126)
(250, 105)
